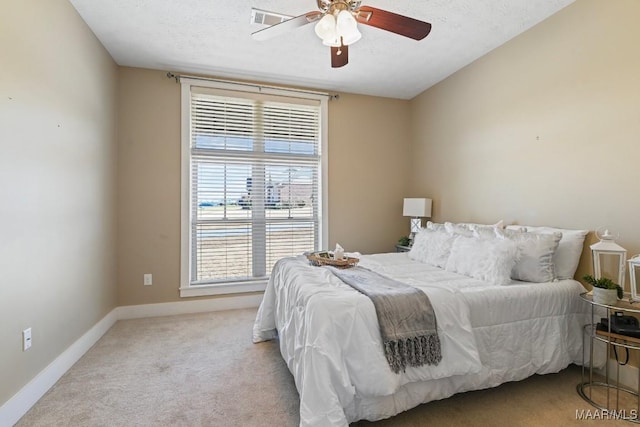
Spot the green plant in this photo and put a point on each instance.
(404, 241)
(603, 283)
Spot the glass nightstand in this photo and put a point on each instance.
(609, 394)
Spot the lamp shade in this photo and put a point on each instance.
(347, 28)
(326, 28)
(417, 208)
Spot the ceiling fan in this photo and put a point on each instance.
(336, 25)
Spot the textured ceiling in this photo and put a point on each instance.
(213, 37)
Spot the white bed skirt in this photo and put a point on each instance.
(498, 367)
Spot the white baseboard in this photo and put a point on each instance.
(22, 401)
(15, 408)
(187, 307)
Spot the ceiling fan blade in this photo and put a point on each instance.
(393, 22)
(339, 56)
(286, 26)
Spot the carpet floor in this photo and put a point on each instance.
(203, 370)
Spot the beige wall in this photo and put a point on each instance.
(544, 130)
(57, 169)
(148, 207)
(368, 157)
(368, 172)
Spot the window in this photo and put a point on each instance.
(252, 174)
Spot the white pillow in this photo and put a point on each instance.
(490, 260)
(434, 226)
(535, 255)
(470, 229)
(473, 226)
(460, 229)
(487, 232)
(567, 255)
(432, 247)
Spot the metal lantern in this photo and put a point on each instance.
(608, 257)
(633, 264)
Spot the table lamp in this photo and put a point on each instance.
(416, 209)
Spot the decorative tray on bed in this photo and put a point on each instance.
(325, 258)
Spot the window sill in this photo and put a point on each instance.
(222, 289)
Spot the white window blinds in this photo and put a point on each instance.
(255, 166)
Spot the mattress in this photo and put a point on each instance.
(489, 334)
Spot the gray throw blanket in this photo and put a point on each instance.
(407, 321)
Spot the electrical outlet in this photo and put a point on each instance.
(26, 339)
(148, 279)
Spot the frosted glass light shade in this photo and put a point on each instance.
(326, 27)
(347, 28)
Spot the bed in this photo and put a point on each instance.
(491, 330)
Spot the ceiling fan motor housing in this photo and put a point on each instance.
(335, 6)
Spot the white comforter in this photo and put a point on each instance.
(330, 341)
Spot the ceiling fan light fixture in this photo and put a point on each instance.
(334, 26)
